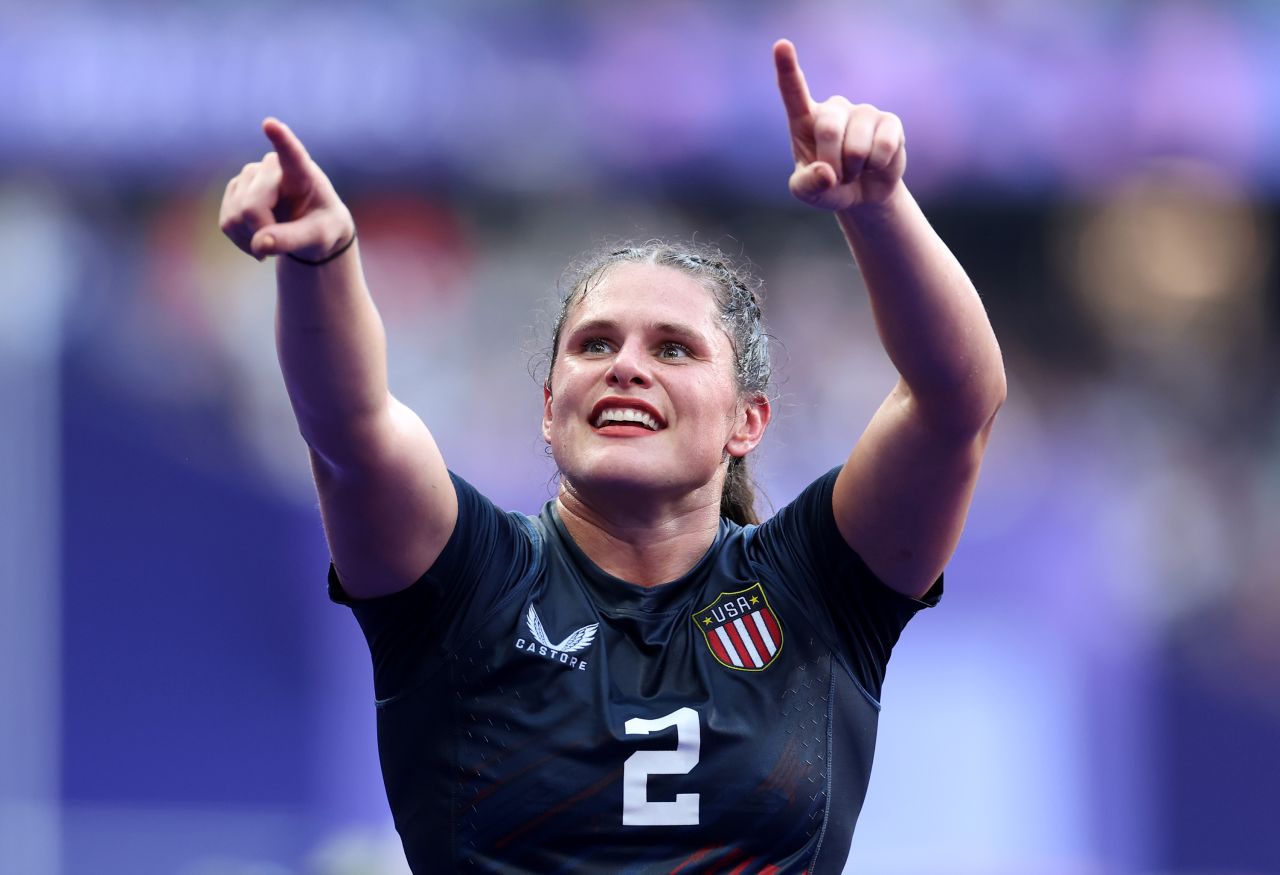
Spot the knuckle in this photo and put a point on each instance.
(865, 118)
(857, 148)
(268, 173)
(880, 158)
(890, 134)
(828, 127)
(243, 219)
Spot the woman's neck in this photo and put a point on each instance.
(648, 548)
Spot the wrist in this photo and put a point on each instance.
(335, 254)
(874, 217)
(873, 210)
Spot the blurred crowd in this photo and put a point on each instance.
(1125, 540)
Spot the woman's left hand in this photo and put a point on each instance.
(847, 154)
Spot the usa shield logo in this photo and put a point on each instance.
(741, 629)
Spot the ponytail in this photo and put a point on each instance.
(738, 500)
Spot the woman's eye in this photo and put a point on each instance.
(595, 345)
(673, 350)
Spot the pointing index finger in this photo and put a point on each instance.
(293, 155)
(791, 84)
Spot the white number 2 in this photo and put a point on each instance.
(637, 809)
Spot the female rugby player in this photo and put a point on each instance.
(642, 677)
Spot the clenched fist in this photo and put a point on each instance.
(847, 154)
(284, 204)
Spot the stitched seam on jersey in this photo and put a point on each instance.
(517, 589)
(831, 769)
(456, 792)
(409, 690)
(535, 538)
(875, 703)
(763, 573)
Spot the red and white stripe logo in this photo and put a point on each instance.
(741, 629)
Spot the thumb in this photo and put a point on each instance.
(285, 237)
(808, 183)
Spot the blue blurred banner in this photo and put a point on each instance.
(542, 96)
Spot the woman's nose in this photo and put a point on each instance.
(630, 367)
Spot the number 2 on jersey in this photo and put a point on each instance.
(637, 808)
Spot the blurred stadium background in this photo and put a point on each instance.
(1100, 692)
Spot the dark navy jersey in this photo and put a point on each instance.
(537, 715)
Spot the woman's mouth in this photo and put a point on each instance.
(627, 416)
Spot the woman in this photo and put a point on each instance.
(639, 678)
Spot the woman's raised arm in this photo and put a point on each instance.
(385, 494)
(902, 497)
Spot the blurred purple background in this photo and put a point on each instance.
(1100, 692)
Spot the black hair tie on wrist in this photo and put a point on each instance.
(328, 258)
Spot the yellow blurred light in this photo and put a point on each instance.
(1176, 248)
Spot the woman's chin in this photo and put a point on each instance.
(621, 482)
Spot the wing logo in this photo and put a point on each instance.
(564, 652)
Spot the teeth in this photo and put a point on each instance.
(626, 414)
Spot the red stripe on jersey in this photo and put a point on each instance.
(761, 647)
(772, 624)
(559, 808)
(743, 653)
(717, 647)
(698, 855)
(770, 870)
(728, 858)
(737, 870)
(743, 625)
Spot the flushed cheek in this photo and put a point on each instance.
(568, 427)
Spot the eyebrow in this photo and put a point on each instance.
(670, 329)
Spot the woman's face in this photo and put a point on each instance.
(643, 395)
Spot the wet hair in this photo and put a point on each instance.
(737, 294)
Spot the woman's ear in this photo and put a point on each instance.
(546, 413)
(753, 419)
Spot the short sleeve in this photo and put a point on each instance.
(863, 617)
(489, 554)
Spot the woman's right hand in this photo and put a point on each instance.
(284, 204)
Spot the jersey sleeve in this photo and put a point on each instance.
(860, 614)
(488, 556)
